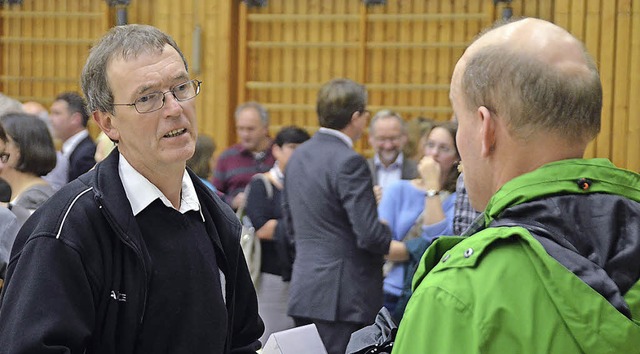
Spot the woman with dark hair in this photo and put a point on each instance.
(418, 211)
(264, 200)
(9, 224)
(32, 155)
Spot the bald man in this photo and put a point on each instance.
(553, 266)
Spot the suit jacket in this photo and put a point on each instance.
(331, 211)
(82, 158)
(409, 169)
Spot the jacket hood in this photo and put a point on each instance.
(592, 230)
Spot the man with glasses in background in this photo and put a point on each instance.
(388, 136)
(136, 256)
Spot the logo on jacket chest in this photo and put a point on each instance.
(118, 296)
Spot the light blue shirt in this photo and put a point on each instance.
(390, 174)
(400, 206)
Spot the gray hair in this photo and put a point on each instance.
(126, 42)
(338, 100)
(532, 95)
(387, 113)
(9, 105)
(262, 111)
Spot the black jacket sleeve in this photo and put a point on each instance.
(47, 303)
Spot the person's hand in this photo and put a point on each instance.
(429, 171)
(377, 191)
(238, 201)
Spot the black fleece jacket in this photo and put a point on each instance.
(79, 272)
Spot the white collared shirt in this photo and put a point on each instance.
(70, 144)
(344, 137)
(141, 192)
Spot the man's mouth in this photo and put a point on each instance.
(175, 133)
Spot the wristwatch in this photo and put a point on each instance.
(432, 193)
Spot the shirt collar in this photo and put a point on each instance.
(397, 164)
(344, 137)
(141, 192)
(73, 141)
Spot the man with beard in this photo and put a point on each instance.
(388, 136)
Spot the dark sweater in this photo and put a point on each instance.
(185, 312)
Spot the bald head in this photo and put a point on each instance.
(536, 76)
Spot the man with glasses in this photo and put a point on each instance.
(136, 256)
(388, 136)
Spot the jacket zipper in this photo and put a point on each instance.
(138, 253)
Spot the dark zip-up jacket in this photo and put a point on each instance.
(79, 272)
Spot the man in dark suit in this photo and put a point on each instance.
(337, 275)
(69, 118)
(387, 137)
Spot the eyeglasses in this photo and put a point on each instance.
(155, 100)
(392, 139)
(4, 157)
(443, 149)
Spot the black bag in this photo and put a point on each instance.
(377, 338)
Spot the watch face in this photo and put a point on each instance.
(432, 193)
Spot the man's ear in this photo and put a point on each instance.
(105, 122)
(77, 117)
(487, 130)
(355, 116)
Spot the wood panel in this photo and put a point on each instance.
(45, 44)
(403, 51)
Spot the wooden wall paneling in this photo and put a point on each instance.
(433, 61)
(418, 57)
(33, 85)
(621, 83)
(633, 130)
(606, 66)
(60, 68)
(275, 60)
(392, 46)
(219, 66)
(141, 12)
(403, 58)
(8, 27)
(288, 66)
(376, 62)
(561, 15)
(243, 52)
(592, 42)
(307, 69)
(445, 58)
(48, 62)
(545, 10)
(25, 48)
